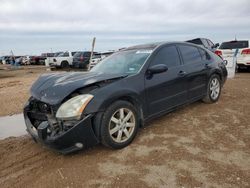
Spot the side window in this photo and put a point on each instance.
(205, 43)
(66, 54)
(204, 54)
(168, 56)
(190, 54)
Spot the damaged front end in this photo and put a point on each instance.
(66, 135)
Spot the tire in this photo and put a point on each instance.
(115, 131)
(213, 89)
(65, 64)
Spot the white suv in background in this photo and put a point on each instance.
(98, 57)
(63, 60)
(228, 49)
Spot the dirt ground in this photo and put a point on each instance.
(14, 87)
(198, 145)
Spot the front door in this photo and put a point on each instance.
(169, 89)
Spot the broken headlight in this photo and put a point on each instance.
(73, 108)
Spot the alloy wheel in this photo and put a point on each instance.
(215, 88)
(122, 125)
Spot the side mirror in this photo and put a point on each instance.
(156, 69)
(225, 62)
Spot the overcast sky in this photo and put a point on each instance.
(35, 26)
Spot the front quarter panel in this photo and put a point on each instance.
(131, 87)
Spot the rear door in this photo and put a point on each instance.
(197, 70)
(166, 90)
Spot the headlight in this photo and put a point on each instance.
(73, 108)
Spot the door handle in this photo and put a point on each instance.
(182, 73)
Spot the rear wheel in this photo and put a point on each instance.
(213, 89)
(65, 64)
(120, 124)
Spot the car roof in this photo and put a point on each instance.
(143, 46)
(155, 45)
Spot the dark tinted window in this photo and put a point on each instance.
(196, 41)
(168, 56)
(234, 45)
(204, 55)
(190, 54)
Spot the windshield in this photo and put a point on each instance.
(234, 45)
(124, 62)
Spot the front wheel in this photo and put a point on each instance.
(120, 124)
(213, 89)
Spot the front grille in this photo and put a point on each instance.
(38, 112)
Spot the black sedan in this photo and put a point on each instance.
(71, 111)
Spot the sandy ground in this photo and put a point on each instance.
(198, 145)
(14, 87)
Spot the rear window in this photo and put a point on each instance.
(190, 54)
(195, 41)
(234, 45)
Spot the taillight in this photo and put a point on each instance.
(218, 52)
(246, 51)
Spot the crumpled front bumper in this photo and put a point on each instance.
(79, 137)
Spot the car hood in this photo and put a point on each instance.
(53, 88)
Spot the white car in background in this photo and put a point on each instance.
(63, 60)
(49, 60)
(98, 57)
(228, 50)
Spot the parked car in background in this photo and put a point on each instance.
(81, 59)
(1, 59)
(206, 43)
(228, 49)
(63, 60)
(44, 56)
(18, 60)
(73, 111)
(40, 59)
(97, 58)
(49, 60)
(6, 60)
(25, 60)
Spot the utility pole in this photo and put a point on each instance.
(92, 51)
